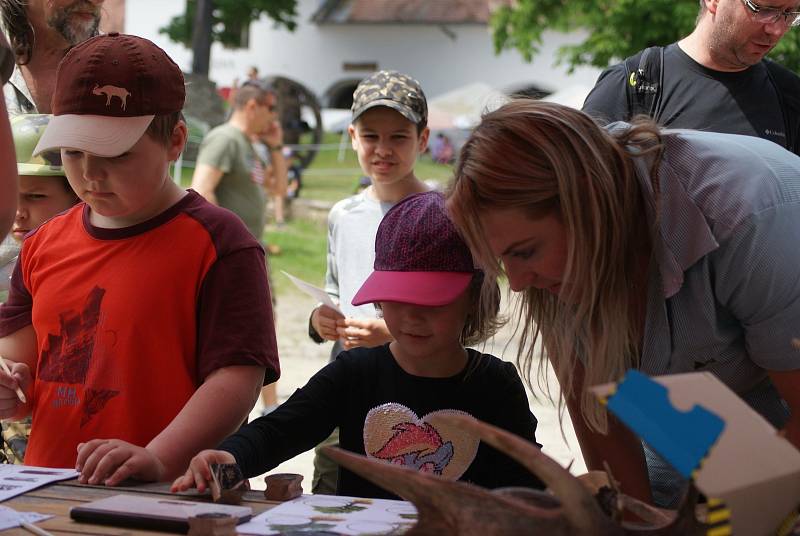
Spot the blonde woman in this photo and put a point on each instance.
(667, 251)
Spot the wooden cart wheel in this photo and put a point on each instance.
(300, 117)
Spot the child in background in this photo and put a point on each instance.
(44, 191)
(388, 132)
(385, 400)
(138, 322)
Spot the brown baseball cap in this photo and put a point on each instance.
(108, 89)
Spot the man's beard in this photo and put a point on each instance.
(79, 30)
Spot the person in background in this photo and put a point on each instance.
(715, 79)
(294, 174)
(230, 173)
(41, 32)
(8, 171)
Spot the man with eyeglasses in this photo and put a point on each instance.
(714, 79)
(229, 172)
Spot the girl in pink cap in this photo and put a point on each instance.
(389, 401)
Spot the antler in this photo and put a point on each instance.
(460, 508)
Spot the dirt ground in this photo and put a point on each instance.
(301, 358)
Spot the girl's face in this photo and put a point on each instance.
(40, 198)
(533, 251)
(428, 333)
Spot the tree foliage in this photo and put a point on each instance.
(230, 18)
(614, 29)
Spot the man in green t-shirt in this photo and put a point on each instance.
(229, 172)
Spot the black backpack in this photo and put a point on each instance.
(644, 78)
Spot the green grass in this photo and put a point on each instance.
(303, 246)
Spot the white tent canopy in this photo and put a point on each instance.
(463, 107)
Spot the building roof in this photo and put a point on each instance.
(404, 11)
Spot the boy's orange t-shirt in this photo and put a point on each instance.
(129, 322)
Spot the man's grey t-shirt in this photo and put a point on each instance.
(229, 149)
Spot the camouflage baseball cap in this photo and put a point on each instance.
(394, 90)
(27, 129)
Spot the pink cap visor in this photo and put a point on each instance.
(419, 288)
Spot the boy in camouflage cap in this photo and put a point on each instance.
(388, 132)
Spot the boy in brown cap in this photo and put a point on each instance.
(139, 323)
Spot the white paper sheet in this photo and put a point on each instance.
(315, 292)
(10, 518)
(18, 479)
(337, 514)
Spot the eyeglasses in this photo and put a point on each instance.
(770, 15)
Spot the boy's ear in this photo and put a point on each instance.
(423, 139)
(177, 140)
(351, 129)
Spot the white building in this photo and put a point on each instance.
(445, 44)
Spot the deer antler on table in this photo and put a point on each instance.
(447, 507)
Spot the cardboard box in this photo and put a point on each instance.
(755, 471)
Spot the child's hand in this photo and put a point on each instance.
(20, 378)
(199, 472)
(367, 332)
(324, 321)
(111, 461)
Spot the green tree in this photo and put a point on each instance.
(228, 21)
(614, 29)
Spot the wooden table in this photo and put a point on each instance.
(56, 499)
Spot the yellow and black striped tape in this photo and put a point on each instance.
(718, 518)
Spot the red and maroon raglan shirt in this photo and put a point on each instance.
(129, 322)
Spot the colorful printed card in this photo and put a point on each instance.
(334, 514)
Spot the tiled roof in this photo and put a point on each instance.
(404, 11)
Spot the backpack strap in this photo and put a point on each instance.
(644, 77)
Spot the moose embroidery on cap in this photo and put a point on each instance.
(112, 91)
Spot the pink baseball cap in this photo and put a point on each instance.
(108, 90)
(419, 256)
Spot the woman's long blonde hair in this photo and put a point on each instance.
(542, 157)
